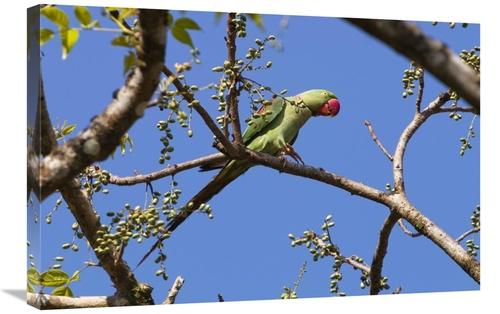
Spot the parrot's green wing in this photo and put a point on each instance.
(263, 117)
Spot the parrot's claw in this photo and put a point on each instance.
(288, 150)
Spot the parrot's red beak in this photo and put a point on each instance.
(330, 108)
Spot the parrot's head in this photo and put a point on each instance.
(321, 102)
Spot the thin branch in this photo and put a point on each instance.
(103, 134)
(374, 137)
(381, 251)
(433, 55)
(168, 171)
(230, 149)
(460, 238)
(418, 120)
(232, 94)
(406, 231)
(420, 93)
(174, 291)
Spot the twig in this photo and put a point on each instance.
(374, 137)
(460, 238)
(174, 291)
(406, 231)
(420, 91)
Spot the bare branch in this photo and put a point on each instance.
(406, 231)
(381, 251)
(418, 120)
(433, 55)
(52, 302)
(168, 171)
(103, 134)
(374, 137)
(174, 291)
(460, 238)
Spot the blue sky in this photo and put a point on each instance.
(244, 252)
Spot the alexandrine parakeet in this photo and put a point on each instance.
(272, 130)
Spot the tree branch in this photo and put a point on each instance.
(168, 171)
(52, 302)
(232, 93)
(433, 55)
(406, 231)
(418, 120)
(174, 291)
(380, 252)
(103, 134)
(460, 238)
(375, 138)
(230, 149)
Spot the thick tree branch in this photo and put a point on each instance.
(119, 272)
(103, 134)
(433, 55)
(51, 302)
(380, 252)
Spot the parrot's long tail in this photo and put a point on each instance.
(228, 174)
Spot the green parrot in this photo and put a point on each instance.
(272, 130)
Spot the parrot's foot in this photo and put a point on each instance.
(288, 150)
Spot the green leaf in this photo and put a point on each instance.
(30, 288)
(56, 16)
(182, 35)
(69, 37)
(83, 16)
(170, 19)
(75, 277)
(126, 13)
(128, 62)
(54, 278)
(185, 22)
(122, 41)
(257, 19)
(62, 292)
(67, 130)
(45, 35)
(131, 143)
(218, 16)
(34, 276)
